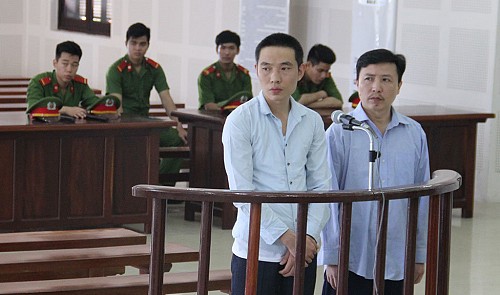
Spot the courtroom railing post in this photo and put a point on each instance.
(300, 250)
(253, 249)
(157, 247)
(207, 209)
(344, 247)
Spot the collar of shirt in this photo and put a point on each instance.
(360, 115)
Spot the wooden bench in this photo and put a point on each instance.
(181, 282)
(70, 239)
(175, 152)
(86, 262)
(157, 109)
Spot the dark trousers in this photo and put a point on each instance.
(358, 285)
(269, 281)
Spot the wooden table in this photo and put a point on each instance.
(64, 176)
(451, 136)
(207, 160)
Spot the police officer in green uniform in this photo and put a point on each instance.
(131, 79)
(63, 83)
(317, 88)
(224, 81)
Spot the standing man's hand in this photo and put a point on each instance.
(288, 239)
(332, 275)
(289, 261)
(419, 272)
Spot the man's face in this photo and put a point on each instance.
(278, 72)
(378, 87)
(317, 73)
(66, 67)
(137, 48)
(227, 52)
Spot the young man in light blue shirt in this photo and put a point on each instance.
(273, 143)
(403, 160)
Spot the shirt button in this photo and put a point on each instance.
(290, 182)
(288, 164)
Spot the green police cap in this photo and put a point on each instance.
(45, 107)
(107, 104)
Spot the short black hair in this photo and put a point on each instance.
(378, 56)
(321, 53)
(281, 40)
(227, 37)
(138, 30)
(68, 47)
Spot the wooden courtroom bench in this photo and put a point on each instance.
(85, 262)
(181, 282)
(175, 152)
(70, 239)
(157, 109)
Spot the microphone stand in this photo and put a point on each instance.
(372, 153)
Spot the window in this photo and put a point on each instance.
(87, 16)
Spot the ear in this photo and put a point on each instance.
(237, 51)
(302, 69)
(256, 70)
(399, 85)
(54, 62)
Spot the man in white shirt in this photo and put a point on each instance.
(273, 143)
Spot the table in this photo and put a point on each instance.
(206, 168)
(451, 135)
(65, 176)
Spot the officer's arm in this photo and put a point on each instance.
(34, 92)
(169, 105)
(206, 94)
(327, 102)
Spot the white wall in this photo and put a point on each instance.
(450, 45)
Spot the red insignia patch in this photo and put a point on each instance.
(45, 81)
(80, 79)
(152, 63)
(242, 69)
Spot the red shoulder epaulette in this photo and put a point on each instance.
(45, 81)
(243, 69)
(123, 65)
(80, 79)
(209, 70)
(153, 63)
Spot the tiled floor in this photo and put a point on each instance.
(475, 262)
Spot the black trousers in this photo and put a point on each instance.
(358, 285)
(269, 281)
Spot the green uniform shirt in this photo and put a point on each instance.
(135, 87)
(214, 86)
(305, 86)
(78, 93)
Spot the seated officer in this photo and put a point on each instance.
(224, 82)
(132, 77)
(317, 89)
(64, 83)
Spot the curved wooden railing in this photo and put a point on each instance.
(440, 189)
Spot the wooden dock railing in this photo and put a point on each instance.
(440, 189)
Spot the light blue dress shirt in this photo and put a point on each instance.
(257, 156)
(404, 160)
